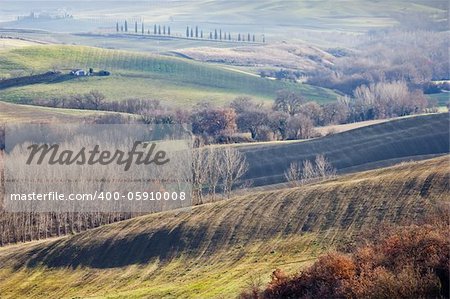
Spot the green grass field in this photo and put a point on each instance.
(216, 250)
(175, 81)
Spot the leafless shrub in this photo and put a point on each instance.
(324, 169)
(308, 171)
(294, 174)
(321, 169)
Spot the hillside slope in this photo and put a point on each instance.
(13, 113)
(272, 16)
(360, 149)
(174, 80)
(215, 249)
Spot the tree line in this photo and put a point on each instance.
(191, 32)
(216, 172)
(156, 28)
(290, 117)
(416, 57)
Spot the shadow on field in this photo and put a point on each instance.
(161, 245)
(47, 78)
(361, 149)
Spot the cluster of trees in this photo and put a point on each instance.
(195, 32)
(157, 29)
(407, 262)
(191, 32)
(382, 100)
(416, 57)
(282, 74)
(290, 117)
(307, 171)
(22, 227)
(217, 170)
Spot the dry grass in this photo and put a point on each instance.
(13, 113)
(282, 55)
(11, 43)
(215, 249)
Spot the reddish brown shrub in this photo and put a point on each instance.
(408, 262)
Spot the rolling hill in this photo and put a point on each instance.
(270, 17)
(360, 149)
(175, 81)
(13, 113)
(214, 250)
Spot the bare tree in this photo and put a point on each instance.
(213, 169)
(294, 174)
(233, 167)
(300, 127)
(199, 174)
(288, 102)
(95, 99)
(308, 171)
(324, 169)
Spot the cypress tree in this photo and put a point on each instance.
(229, 36)
(215, 33)
(117, 26)
(192, 32)
(135, 27)
(201, 34)
(164, 29)
(143, 29)
(187, 31)
(126, 26)
(159, 29)
(154, 29)
(220, 34)
(239, 37)
(168, 30)
(210, 35)
(248, 37)
(254, 39)
(196, 31)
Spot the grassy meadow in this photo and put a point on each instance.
(216, 250)
(175, 81)
(254, 211)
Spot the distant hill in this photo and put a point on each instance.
(215, 249)
(271, 17)
(365, 148)
(175, 81)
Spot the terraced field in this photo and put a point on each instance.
(214, 250)
(176, 81)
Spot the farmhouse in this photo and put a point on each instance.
(79, 72)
